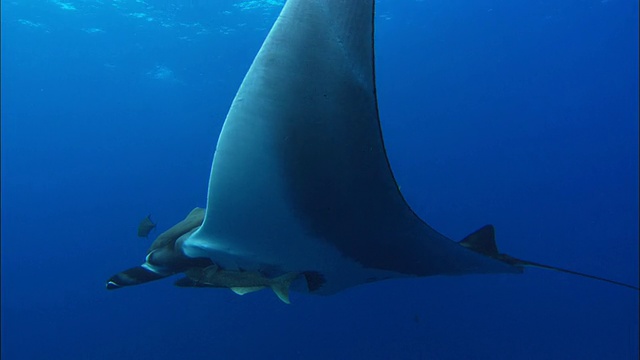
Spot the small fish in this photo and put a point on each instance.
(145, 227)
(240, 282)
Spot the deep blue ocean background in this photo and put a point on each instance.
(523, 114)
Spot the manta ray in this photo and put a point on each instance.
(300, 181)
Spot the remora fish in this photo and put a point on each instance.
(240, 282)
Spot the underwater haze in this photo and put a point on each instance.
(521, 114)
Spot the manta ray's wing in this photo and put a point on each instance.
(300, 179)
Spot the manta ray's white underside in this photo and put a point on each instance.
(300, 179)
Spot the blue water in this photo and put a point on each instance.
(523, 114)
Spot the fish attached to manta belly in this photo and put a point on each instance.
(240, 282)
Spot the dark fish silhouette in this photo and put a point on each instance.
(145, 227)
(240, 282)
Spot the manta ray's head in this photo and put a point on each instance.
(159, 264)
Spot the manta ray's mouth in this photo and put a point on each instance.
(134, 276)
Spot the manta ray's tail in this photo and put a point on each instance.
(524, 263)
(483, 241)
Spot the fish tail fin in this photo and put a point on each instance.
(281, 285)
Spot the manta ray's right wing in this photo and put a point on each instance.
(300, 179)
